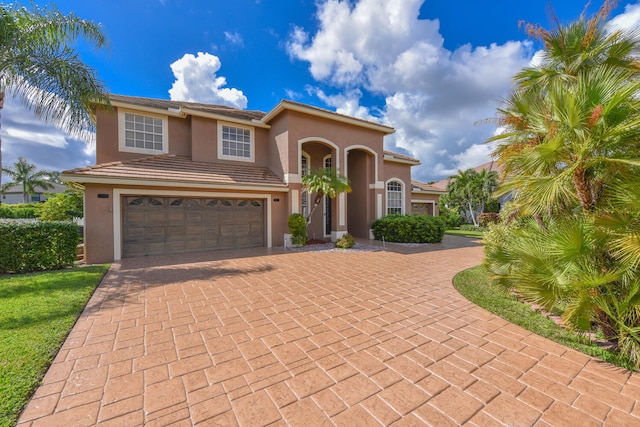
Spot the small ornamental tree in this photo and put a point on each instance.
(324, 182)
(63, 206)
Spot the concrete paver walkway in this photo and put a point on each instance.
(267, 337)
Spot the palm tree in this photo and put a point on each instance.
(40, 66)
(324, 182)
(470, 191)
(26, 175)
(571, 155)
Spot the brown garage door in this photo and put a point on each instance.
(168, 225)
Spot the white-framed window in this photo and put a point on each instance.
(304, 196)
(395, 200)
(142, 133)
(328, 162)
(235, 142)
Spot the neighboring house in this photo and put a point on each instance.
(176, 177)
(425, 198)
(13, 194)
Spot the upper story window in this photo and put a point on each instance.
(142, 133)
(394, 197)
(235, 142)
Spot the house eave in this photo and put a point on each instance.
(183, 112)
(221, 117)
(172, 184)
(428, 192)
(404, 161)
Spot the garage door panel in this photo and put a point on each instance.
(136, 217)
(154, 217)
(135, 249)
(175, 234)
(175, 246)
(241, 217)
(194, 245)
(135, 233)
(227, 230)
(165, 225)
(176, 216)
(155, 248)
(155, 232)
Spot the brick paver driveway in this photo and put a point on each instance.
(263, 337)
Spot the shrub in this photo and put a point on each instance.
(19, 210)
(298, 229)
(62, 207)
(345, 242)
(33, 246)
(451, 218)
(471, 227)
(484, 219)
(409, 229)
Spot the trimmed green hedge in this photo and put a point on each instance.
(20, 210)
(33, 246)
(409, 229)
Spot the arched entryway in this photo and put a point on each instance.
(361, 200)
(316, 154)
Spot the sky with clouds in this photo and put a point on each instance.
(433, 70)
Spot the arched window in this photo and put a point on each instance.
(394, 198)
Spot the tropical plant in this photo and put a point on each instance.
(324, 182)
(63, 206)
(298, 229)
(571, 154)
(27, 176)
(470, 190)
(345, 242)
(40, 65)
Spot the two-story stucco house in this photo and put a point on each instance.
(176, 177)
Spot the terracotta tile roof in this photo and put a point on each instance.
(205, 108)
(421, 186)
(401, 157)
(178, 169)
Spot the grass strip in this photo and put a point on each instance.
(474, 285)
(37, 312)
(466, 233)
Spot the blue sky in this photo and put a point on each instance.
(431, 69)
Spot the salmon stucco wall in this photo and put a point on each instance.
(107, 142)
(98, 226)
(402, 172)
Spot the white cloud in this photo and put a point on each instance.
(347, 103)
(47, 146)
(629, 20)
(234, 38)
(196, 81)
(434, 97)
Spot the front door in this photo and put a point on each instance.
(327, 216)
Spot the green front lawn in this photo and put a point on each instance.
(37, 311)
(474, 285)
(466, 233)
